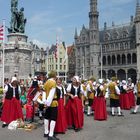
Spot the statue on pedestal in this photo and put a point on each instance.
(17, 24)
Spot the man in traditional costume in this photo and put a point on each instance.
(90, 95)
(138, 98)
(114, 93)
(51, 104)
(83, 86)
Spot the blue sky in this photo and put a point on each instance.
(47, 19)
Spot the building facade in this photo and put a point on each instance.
(38, 60)
(87, 46)
(116, 50)
(57, 59)
(71, 61)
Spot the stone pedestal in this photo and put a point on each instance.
(17, 37)
(17, 56)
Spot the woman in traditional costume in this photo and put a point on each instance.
(61, 123)
(12, 109)
(74, 107)
(100, 112)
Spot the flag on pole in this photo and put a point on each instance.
(65, 57)
(2, 38)
(56, 49)
(1, 32)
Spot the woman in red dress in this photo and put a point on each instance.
(61, 123)
(100, 112)
(124, 96)
(74, 107)
(12, 109)
(130, 91)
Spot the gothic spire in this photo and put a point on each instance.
(137, 8)
(93, 5)
(93, 15)
(137, 16)
(76, 35)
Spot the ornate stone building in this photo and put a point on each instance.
(38, 60)
(87, 46)
(118, 47)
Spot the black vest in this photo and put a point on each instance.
(99, 92)
(58, 92)
(35, 84)
(9, 93)
(122, 90)
(73, 91)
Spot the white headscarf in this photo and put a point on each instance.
(13, 79)
(77, 78)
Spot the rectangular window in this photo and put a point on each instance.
(6, 68)
(64, 67)
(60, 60)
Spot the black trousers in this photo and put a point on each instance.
(114, 103)
(51, 113)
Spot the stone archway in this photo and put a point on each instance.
(103, 74)
(104, 60)
(111, 73)
(118, 59)
(121, 74)
(132, 73)
(109, 60)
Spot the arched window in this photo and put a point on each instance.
(109, 60)
(118, 59)
(129, 58)
(134, 58)
(104, 60)
(123, 59)
(113, 60)
(121, 74)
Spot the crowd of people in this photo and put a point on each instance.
(62, 107)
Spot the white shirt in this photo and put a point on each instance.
(76, 89)
(50, 97)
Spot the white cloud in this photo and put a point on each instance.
(114, 3)
(118, 11)
(41, 18)
(59, 30)
(39, 43)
